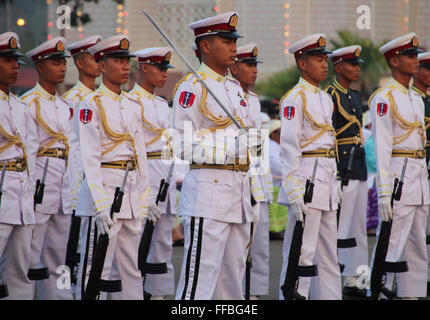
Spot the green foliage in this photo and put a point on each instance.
(372, 69)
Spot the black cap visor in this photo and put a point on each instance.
(119, 54)
(249, 60)
(229, 35)
(411, 51)
(317, 51)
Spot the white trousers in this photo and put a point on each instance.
(352, 224)
(214, 259)
(408, 243)
(260, 255)
(121, 258)
(318, 247)
(161, 251)
(48, 249)
(15, 247)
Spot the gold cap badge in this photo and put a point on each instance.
(321, 42)
(59, 46)
(414, 42)
(233, 21)
(357, 52)
(13, 44)
(124, 44)
(255, 52)
(168, 56)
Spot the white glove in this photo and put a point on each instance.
(299, 208)
(384, 208)
(154, 213)
(104, 222)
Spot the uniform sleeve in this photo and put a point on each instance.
(89, 138)
(382, 132)
(291, 132)
(195, 144)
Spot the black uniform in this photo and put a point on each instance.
(347, 104)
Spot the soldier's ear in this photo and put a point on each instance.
(40, 66)
(233, 70)
(394, 62)
(205, 45)
(102, 65)
(302, 63)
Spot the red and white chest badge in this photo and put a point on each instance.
(71, 113)
(242, 103)
(186, 99)
(289, 112)
(381, 109)
(85, 115)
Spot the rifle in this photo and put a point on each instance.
(350, 242)
(380, 266)
(95, 283)
(72, 256)
(145, 242)
(40, 186)
(294, 271)
(3, 172)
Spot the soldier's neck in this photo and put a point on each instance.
(401, 78)
(147, 86)
(221, 70)
(114, 87)
(345, 83)
(89, 82)
(48, 86)
(244, 87)
(420, 86)
(310, 80)
(4, 88)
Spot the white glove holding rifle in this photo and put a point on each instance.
(384, 208)
(154, 212)
(104, 221)
(299, 208)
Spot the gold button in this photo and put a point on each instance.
(216, 180)
(244, 174)
(21, 179)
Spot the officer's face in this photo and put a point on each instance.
(406, 63)
(348, 71)
(87, 65)
(245, 72)
(52, 70)
(155, 74)
(8, 71)
(315, 66)
(423, 76)
(115, 69)
(222, 50)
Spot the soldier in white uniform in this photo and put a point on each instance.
(156, 120)
(88, 70)
(399, 132)
(245, 71)
(17, 158)
(56, 142)
(215, 198)
(307, 134)
(111, 136)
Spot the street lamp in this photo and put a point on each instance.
(20, 22)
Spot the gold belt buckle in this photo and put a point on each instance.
(18, 165)
(60, 153)
(331, 153)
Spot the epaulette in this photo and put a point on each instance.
(30, 96)
(252, 93)
(161, 99)
(378, 91)
(90, 96)
(18, 99)
(131, 96)
(191, 77)
(294, 91)
(330, 90)
(233, 80)
(62, 100)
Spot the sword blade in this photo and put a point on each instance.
(405, 163)
(351, 157)
(124, 180)
(192, 69)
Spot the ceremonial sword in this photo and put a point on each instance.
(192, 70)
(3, 172)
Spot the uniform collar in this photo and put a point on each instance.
(83, 87)
(108, 92)
(4, 96)
(45, 93)
(211, 74)
(399, 86)
(309, 86)
(422, 94)
(337, 85)
(143, 92)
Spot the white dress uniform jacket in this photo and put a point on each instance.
(222, 195)
(123, 116)
(398, 124)
(54, 116)
(296, 170)
(18, 187)
(156, 119)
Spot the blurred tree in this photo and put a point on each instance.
(372, 69)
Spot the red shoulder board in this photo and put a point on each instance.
(85, 116)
